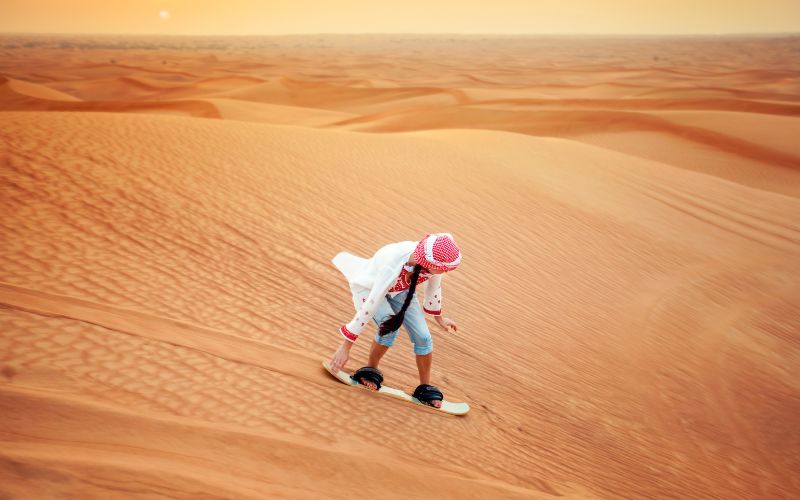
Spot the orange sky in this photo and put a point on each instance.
(200, 17)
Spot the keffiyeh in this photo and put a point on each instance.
(438, 251)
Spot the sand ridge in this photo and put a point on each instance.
(627, 304)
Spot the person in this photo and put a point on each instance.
(383, 289)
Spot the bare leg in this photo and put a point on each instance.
(424, 363)
(376, 352)
(424, 366)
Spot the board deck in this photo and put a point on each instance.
(447, 406)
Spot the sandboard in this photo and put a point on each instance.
(447, 406)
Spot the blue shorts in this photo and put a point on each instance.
(414, 320)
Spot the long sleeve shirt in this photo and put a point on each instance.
(379, 274)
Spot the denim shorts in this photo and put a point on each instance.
(414, 320)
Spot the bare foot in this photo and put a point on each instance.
(369, 385)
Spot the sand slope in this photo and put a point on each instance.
(627, 304)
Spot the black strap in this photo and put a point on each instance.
(370, 374)
(427, 393)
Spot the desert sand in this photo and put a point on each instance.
(628, 304)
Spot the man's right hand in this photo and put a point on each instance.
(340, 358)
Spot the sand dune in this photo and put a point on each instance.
(27, 89)
(23, 96)
(627, 305)
(575, 123)
(337, 97)
(98, 464)
(234, 109)
(13, 101)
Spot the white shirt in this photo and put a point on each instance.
(379, 274)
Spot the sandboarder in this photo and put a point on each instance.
(383, 289)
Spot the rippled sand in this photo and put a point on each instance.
(628, 305)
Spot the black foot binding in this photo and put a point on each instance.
(427, 394)
(369, 374)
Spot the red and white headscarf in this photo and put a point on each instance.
(438, 251)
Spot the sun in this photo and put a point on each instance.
(164, 15)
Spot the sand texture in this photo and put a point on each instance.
(628, 303)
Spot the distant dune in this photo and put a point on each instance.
(628, 303)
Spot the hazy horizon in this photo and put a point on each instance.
(413, 17)
(388, 33)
